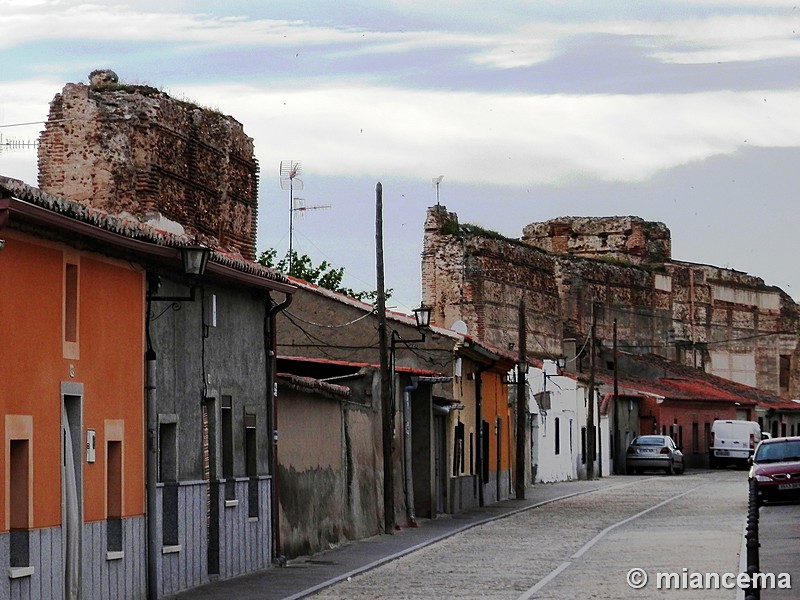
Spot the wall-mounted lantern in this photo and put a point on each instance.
(422, 315)
(194, 259)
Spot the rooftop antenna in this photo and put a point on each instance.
(290, 169)
(7, 144)
(301, 209)
(436, 182)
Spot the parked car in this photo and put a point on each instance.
(732, 442)
(654, 452)
(775, 468)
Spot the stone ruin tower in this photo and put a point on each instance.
(133, 149)
(624, 238)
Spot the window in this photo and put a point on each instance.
(785, 366)
(571, 441)
(71, 309)
(226, 422)
(251, 463)
(19, 486)
(583, 445)
(114, 431)
(19, 501)
(695, 437)
(458, 449)
(472, 452)
(168, 475)
(114, 495)
(71, 303)
(485, 451)
(558, 436)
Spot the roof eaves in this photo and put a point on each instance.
(129, 235)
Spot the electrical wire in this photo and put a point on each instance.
(299, 318)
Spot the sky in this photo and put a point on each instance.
(683, 112)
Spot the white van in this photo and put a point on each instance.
(732, 442)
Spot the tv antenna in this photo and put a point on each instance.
(7, 144)
(299, 206)
(436, 182)
(290, 169)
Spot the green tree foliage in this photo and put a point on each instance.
(323, 275)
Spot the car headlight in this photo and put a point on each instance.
(763, 478)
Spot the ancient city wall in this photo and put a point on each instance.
(724, 321)
(132, 148)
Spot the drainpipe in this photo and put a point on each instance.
(409, 483)
(271, 346)
(151, 462)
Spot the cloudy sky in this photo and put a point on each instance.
(679, 111)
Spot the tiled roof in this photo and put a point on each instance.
(760, 396)
(129, 227)
(359, 365)
(310, 384)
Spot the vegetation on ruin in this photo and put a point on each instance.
(469, 229)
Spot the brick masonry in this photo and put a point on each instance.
(725, 321)
(134, 149)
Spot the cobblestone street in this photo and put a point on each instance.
(578, 547)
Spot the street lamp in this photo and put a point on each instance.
(194, 259)
(422, 315)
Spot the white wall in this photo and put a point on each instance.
(568, 406)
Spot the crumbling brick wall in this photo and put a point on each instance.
(132, 148)
(629, 238)
(724, 321)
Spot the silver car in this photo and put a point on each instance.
(654, 452)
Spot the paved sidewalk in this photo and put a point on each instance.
(779, 535)
(306, 575)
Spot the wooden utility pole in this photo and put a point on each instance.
(522, 409)
(387, 410)
(590, 437)
(617, 457)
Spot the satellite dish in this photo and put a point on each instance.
(459, 327)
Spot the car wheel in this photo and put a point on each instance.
(682, 469)
(670, 470)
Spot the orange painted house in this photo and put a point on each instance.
(88, 509)
(73, 347)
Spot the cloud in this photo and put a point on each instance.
(732, 37)
(502, 138)
(708, 40)
(349, 129)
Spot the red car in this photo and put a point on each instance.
(775, 467)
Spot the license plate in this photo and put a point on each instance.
(647, 450)
(722, 453)
(789, 486)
